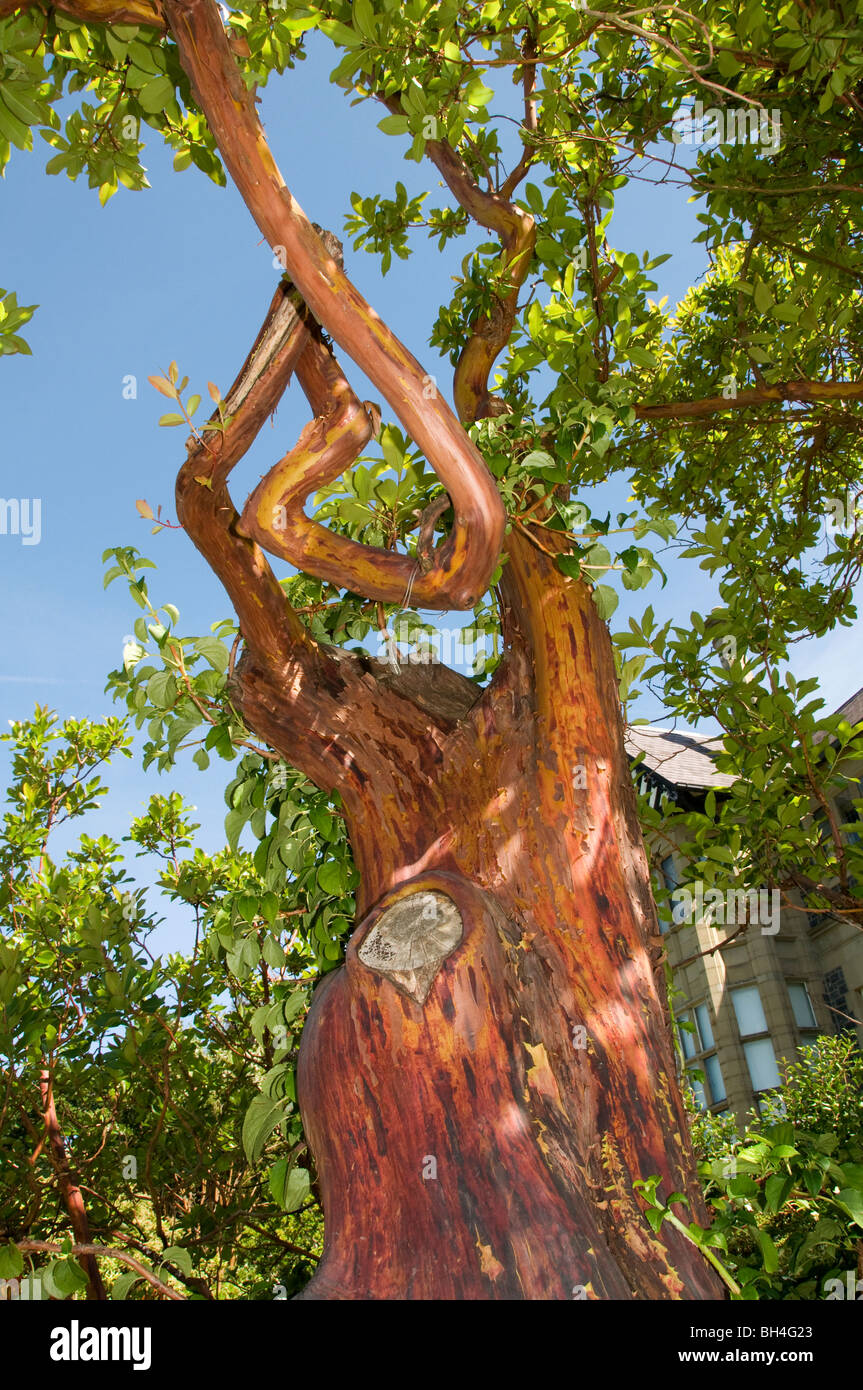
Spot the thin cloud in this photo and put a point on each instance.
(37, 680)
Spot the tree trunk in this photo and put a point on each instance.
(481, 1140)
(492, 1069)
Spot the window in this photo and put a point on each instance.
(749, 1011)
(804, 1014)
(670, 874)
(757, 1046)
(699, 1054)
(761, 1061)
(671, 879)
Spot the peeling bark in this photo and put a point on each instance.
(535, 1140)
(479, 1106)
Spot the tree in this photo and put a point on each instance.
(151, 1142)
(491, 1074)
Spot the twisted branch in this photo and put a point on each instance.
(517, 231)
(463, 564)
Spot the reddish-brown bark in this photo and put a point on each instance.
(536, 1140)
(514, 803)
(70, 1192)
(517, 803)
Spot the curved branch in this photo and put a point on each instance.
(100, 11)
(204, 504)
(464, 564)
(491, 333)
(88, 1251)
(274, 516)
(517, 231)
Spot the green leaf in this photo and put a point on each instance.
(477, 94)
(121, 1286)
(162, 690)
(641, 357)
(340, 33)
(234, 822)
(261, 1118)
(331, 878)
(176, 1255)
(289, 1185)
(570, 565)
(11, 1261)
(269, 908)
(776, 1189)
(852, 1201)
(247, 905)
(537, 460)
(273, 953)
(606, 600)
(295, 1005)
(156, 95)
(769, 1253)
(67, 1276)
(394, 125)
(213, 651)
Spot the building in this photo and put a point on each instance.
(751, 994)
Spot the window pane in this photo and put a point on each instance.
(714, 1077)
(698, 1091)
(702, 1018)
(670, 874)
(687, 1038)
(761, 1061)
(800, 1003)
(750, 1014)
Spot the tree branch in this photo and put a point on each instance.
(517, 231)
(782, 391)
(204, 504)
(100, 11)
(465, 562)
(88, 1251)
(69, 1189)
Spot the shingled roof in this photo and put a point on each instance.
(682, 758)
(686, 760)
(852, 710)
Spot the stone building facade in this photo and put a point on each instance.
(753, 1001)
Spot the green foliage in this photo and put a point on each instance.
(762, 496)
(12, 316)
(787, 1198)
(173, 1077)
(822, 1091)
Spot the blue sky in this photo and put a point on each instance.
(178, 272)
